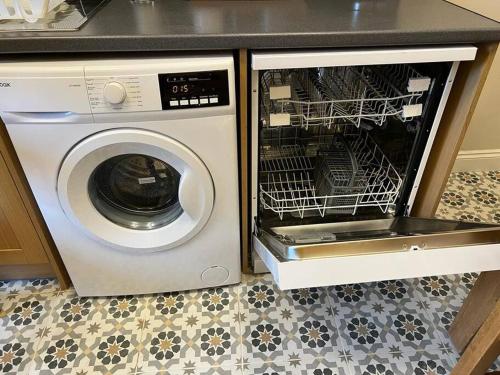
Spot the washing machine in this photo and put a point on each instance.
(133, 163)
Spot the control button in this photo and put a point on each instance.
(214, 100)
(204, 101)
(114, 92)
(184, 102)
(174, 103)
(193, 101)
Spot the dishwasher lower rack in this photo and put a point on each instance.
(292, 181)
(350, 95)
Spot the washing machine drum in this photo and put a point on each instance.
(135, 190)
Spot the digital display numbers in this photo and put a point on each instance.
(183, 89)
(194, 89)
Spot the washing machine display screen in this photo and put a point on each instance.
(194, 89)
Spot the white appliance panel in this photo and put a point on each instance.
(35, 89)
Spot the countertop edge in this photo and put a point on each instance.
(127, 43)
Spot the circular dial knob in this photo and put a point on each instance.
(114, 92)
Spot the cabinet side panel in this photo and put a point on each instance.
(8, 240)
(18, 239)
(243, 128)
(464, 96)
(49, 253)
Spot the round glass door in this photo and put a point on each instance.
(136, 191)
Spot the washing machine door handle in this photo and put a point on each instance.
(192, 202)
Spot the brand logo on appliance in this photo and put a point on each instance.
(5, 84)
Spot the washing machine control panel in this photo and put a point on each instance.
(194, 89)
(120, 94)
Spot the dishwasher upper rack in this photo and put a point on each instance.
(352, 94)
(287, 183)
(275, 110)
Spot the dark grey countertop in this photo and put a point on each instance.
(229, 24)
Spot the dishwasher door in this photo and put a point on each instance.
(371, 250)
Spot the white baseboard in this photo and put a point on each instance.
(477, 160)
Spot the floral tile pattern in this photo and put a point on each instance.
(285, 326)
(191, 330)
(472, 196)
(23, 316)
(383, 316)
(99, 335)
(389, 327)
(14, 287)
(269, 368)
(407, 363)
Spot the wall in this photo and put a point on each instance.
(487, 8)
(481, 147)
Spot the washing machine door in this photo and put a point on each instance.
(135, 190)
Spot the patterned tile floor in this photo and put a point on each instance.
(389, 327)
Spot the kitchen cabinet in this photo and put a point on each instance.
(26, 248)
(19, 242)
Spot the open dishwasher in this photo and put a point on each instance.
(340, 140)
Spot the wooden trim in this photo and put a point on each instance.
(244, 191)
(462, 102)
(25, 271)
(475, 309)
(17, 174)
(483, 349)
